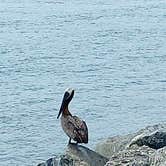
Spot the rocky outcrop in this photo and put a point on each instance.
(77, 155)
(146, 147)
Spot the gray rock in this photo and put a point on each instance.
(113, 145)
(159, 158)
(156, 140)
(85, 154)
(50, 162)
(138, 149)
(132, 157)
(77, 155)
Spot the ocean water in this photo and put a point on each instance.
(113, 53)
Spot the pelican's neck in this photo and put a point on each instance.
(66, 112)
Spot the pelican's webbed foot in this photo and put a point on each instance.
(73, 143)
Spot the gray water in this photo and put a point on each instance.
(113, 53)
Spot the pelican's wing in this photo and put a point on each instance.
(79, 129)
(85, 132)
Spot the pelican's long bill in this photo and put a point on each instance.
(69, 93)
(61, 109)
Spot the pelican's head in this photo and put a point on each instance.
(69, 93)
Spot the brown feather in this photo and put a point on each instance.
(75, 128)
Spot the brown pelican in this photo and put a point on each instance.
(74, 127)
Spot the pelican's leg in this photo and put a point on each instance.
(69, 141)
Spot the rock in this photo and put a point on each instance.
(156, 140)
(77, 155)
(85, 154)
(50, 162)
(138, 149)
(159, 158)
(113, 145)
(132, 157)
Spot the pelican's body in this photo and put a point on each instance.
(73, 126)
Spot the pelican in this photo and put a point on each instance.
(75, 128)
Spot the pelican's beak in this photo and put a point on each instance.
(61, 109)
(69, 93)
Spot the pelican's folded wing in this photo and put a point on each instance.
(78, 128)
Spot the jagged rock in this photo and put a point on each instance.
(77, 155)
(159, 158)
(132, 157)
(115, 144)
(85, 154)
(156, 140)
(138, 149)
